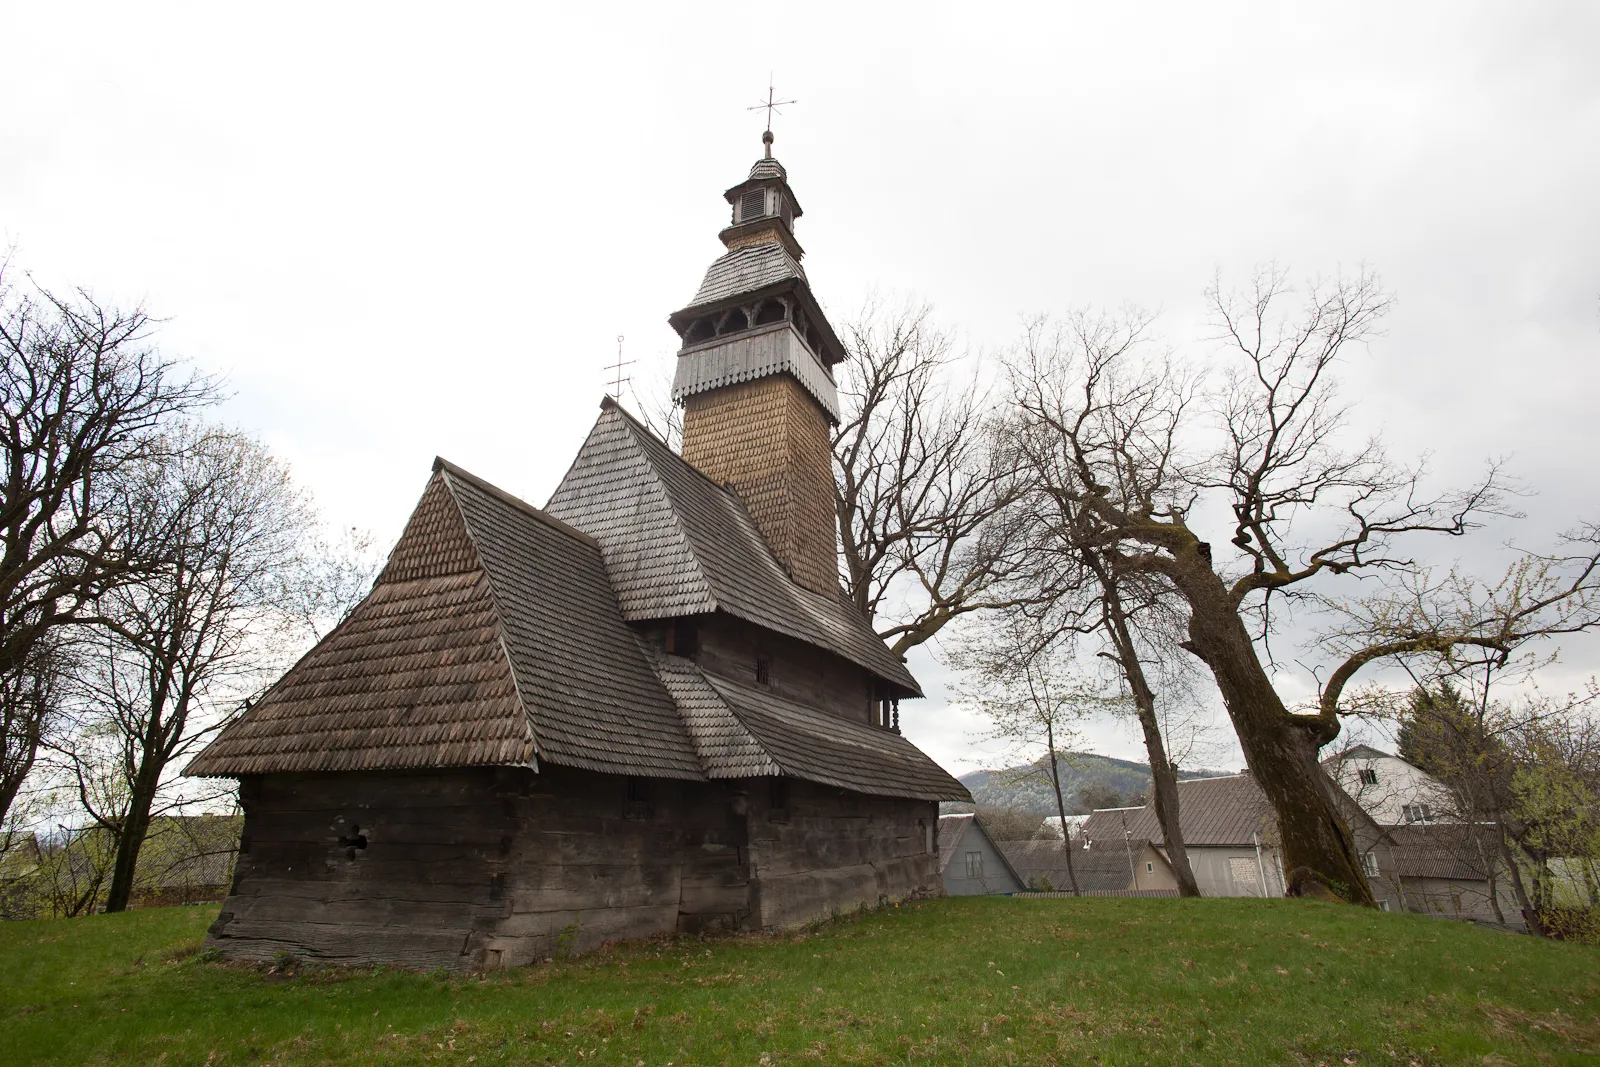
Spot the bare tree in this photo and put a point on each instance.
(1458, 626)
(31, 697)
(924, 499)
(1115, 447)
(81, 394)
(201, 630)
(1032, 701)
(1075, 599)
(1120, 622)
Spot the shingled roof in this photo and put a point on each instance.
(491, 638)
(1211, 811)
(678, 544)
(746, 270)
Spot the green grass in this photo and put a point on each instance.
(973, 980)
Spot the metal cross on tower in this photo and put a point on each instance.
(771, 105)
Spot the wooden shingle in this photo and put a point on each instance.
(679, 544)
(491, 638)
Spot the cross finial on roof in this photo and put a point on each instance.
(617, 378)
(769, 107)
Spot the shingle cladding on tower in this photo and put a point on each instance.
(699, 553)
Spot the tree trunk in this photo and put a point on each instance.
(130, 837)
(1530, 914)
(1061, 807)
(1494, 894)
(1163, 779)
(16, 771)
(1319, 853)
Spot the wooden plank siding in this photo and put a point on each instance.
(483, 868)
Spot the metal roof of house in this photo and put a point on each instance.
(1099, 867)
(678, 544)
(1359, 752)
(1458, 852)
(1211, 811)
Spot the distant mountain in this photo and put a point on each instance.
(1027, 788)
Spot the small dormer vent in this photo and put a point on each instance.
(752, 205)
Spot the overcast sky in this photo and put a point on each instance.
(409, 230)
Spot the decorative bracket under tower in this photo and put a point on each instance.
(755, 378)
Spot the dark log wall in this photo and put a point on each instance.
(492, 868)
(833, 851)
(799, 671)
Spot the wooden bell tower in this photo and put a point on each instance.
(755, 378)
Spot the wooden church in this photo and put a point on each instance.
(644, 709)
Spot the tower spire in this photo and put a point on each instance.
(769, 107)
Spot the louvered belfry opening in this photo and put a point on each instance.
(759, 394)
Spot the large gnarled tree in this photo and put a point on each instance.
(1137, 478)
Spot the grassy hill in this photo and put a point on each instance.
(974, 980)
(1017, 788)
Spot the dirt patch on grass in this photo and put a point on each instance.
(1583, 1035)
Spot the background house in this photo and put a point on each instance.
(970, 862)
(1228, 827)
(1124, 866)
(1388, 788)
(1452, 871)
(1431, 860)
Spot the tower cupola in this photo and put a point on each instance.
(764, 207)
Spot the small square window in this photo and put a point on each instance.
(753, 205)
(1369, 862)
(1368, 776)
(1150, 868)
(764, 670)
(641, 799)
(974, 864)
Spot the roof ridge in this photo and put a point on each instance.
(440, 463)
